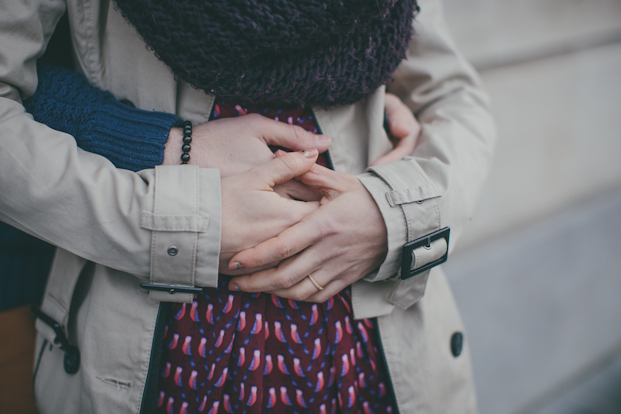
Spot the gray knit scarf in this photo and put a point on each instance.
(298, 52)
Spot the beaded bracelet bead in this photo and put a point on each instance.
(187, 140)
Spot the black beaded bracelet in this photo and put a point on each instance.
(187, 140)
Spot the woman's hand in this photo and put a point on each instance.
(339, 243)
(404, 130)
(235, 145)
(253, 212)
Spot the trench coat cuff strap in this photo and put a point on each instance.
(185, 232)
(408, 191)
(395, 225)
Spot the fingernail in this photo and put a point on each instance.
(235, 287)
(309, 153)
(235, 266)
(323, 139)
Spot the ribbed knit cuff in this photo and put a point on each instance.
(130, 138)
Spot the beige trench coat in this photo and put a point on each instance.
(114, 227)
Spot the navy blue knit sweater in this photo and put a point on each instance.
(130, 138)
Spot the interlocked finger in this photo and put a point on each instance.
(283, 168)
(298, 191)
(286, 244)
(293, 137)
(289, 273)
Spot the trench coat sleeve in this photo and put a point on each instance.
(437, 186)
(79, 201)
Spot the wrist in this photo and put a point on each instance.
(172, 151)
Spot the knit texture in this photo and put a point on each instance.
(130, 138)
(310, 52)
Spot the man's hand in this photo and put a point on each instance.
(339, 243)
(253, 212)
(235, 145)
(404, 130)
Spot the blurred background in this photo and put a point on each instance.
(537, 274)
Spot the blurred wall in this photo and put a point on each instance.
(537, 274)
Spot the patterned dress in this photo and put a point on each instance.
(238, 352)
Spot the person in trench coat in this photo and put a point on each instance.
(114, 228)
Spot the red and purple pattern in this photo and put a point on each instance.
(238, 352)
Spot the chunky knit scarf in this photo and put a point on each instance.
(300, 52)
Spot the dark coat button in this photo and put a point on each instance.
(457, 344)
(71, 360)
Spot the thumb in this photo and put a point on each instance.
(400, 119)
(329, 182)
(284, 167)
(294, 137)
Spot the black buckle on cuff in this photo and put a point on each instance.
(171, 289)
(72, 353)
(408, 248)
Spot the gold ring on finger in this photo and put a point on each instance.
(314, 282)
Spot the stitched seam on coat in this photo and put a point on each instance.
(425, 179)
(407, 219)
(439, 217)
(120, 385)
(143, 381)
(147, 221)
(195, 238)
(63, 309)
(390, 368)
(154, 233)
(406, 216)
(398, 197)
(435, 198)
(354, 300)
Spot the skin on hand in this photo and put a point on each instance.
(339, 243)
(404, 130)
(253, 212)
(235, 145)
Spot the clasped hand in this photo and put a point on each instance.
(235, 145)
(338, 240)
